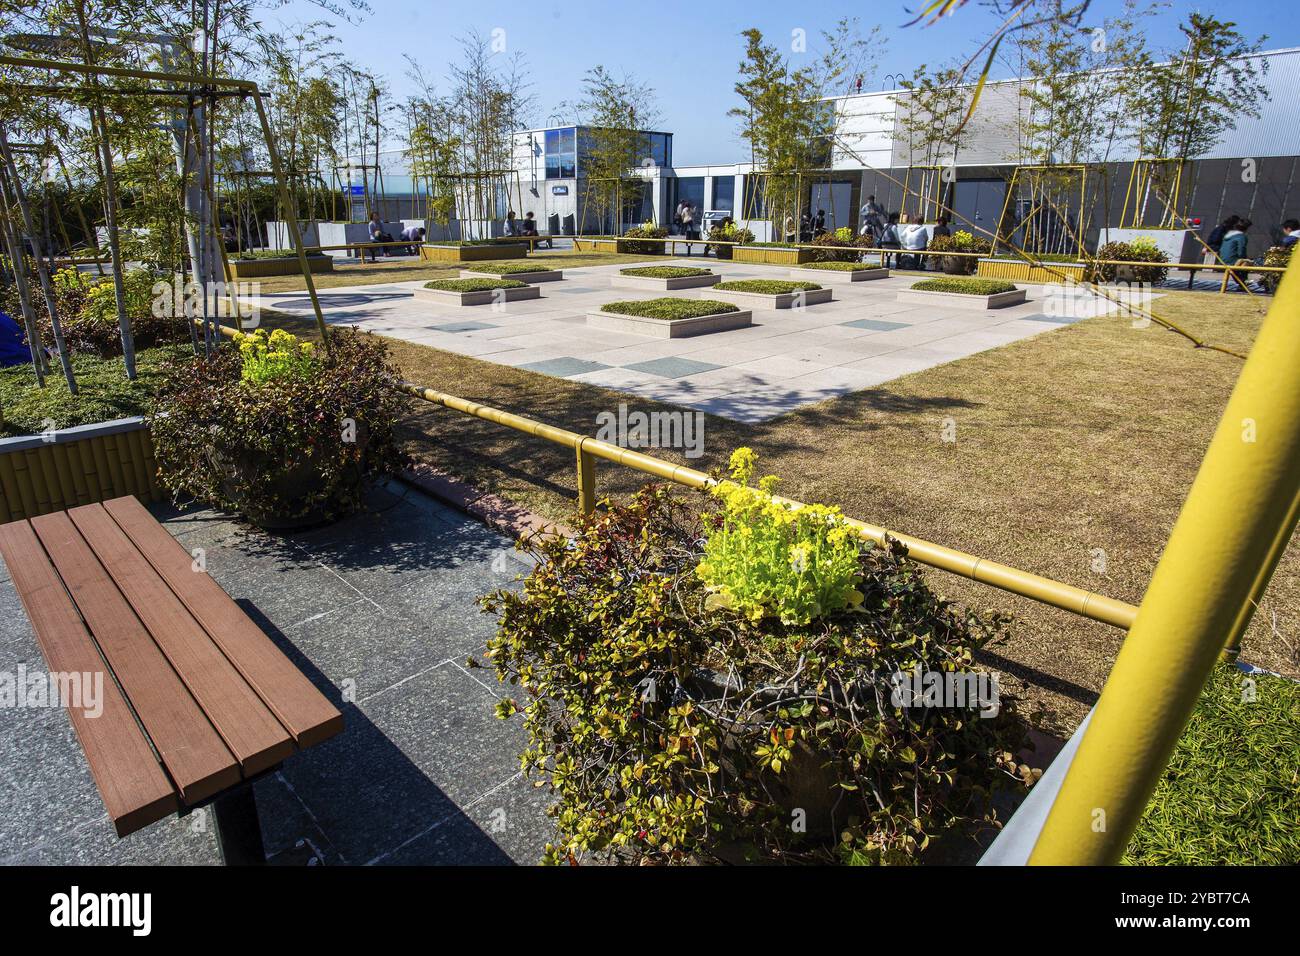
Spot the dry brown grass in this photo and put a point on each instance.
(1083, 438)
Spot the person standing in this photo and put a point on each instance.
(689, 228)
(1233, 249)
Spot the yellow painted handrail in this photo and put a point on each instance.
(1238, 517)
(1087, 604)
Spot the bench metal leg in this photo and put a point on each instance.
(239, 834)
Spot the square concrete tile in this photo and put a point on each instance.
(463, 327)
(672, 367)
(564, 367)
(875, 325)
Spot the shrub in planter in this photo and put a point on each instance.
(729, 232)
(87, 309)
(647, 231)
(1279, 256)
(718, 687)
(837, 246)
(960, 241)
(277, 430)
(1140, 250)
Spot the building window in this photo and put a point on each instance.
(724, 193)
(754, 205)
(561, 153)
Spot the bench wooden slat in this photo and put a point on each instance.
(191, 749)
(132, 785)
(249, 729)
(303, 709)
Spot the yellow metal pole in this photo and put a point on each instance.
(586, 480)
(1239, 513)
(291, 219)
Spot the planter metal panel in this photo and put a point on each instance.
(1025, 272)
(497, 250)
(771, 257)
(279, 266)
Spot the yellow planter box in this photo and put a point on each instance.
(496, 250)
(1016, 271)
(767, 255)
(595, 245)
(285, 266)
(76, 466)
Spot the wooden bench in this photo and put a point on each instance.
(197, 701)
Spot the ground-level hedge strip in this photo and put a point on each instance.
(473, 285)
(965, 286)
(665, 272)
(666, 308)
(767, 286)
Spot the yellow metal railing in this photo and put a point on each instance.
(587, 450)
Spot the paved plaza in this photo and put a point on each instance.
(379, 611)
(788, 358)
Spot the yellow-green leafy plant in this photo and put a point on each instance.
(763, 557)
(276, 356)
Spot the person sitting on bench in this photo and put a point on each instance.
(377, 233)
(529, 228)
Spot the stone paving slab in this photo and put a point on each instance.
(548, 335)
(380, 612)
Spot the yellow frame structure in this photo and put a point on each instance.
(1143, 175)
(1034, 175)
(247, 87)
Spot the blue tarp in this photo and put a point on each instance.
(13, 343)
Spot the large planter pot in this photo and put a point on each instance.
(956, 265)
(723, 252)
(290, 486)
(807, 782)
(279, 266)
(641, 247)
(496, 250)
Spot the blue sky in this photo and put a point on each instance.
(689, 51)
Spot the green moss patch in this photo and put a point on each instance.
(474, 285)
(664, 272)
(666, 308)
(964, 286)
(767, 286)
(103, 392)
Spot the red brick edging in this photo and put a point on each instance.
(494, 511)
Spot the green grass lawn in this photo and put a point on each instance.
(1231, 792)
(104, 393)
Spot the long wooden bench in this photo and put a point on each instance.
(197, 700)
